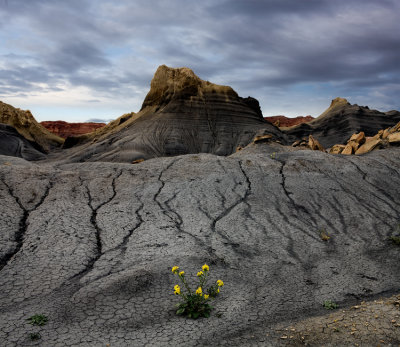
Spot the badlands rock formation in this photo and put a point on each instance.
(65, 129)
(340, 121)
(91, 245)
(28, 127)
(88, 239)
(181, 114)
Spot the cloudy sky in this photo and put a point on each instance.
(79, 59)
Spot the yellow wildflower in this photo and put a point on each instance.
(206, 296)
(181, 273)
(177, 290)
(199, 291)
(200, 273)
(218, 290)
(220, 283)
(175, 269)
(205, 267)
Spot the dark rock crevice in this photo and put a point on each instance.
(23, 223)
(93, 220)
(166, 209)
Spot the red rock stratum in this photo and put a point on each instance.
(65, 129)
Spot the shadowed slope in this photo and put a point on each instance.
(15, 145)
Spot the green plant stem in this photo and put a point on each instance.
(185, 284)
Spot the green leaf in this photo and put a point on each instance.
(196, 315)
(180, 311)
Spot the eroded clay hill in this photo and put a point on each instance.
(181, 114)
(340, 121)
(27, 126)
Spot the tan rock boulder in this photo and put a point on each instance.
(370, 145)
(358, 138)
(262, 138)
(337, 149)
(394, 139)
(314, 144)
(385, 133)
(395, 128)
(348, 149)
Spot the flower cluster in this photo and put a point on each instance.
(195, 304)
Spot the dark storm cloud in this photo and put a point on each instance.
(114, 47)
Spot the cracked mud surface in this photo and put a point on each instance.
(91, 245)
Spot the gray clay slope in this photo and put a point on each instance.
(91, 245)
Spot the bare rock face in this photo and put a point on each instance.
(65, 129)
(337, 149)
(370, 145)
(15, 145)
(27, 126)
(181, 114)
(282, 121)
(340, 121)
(394, 139)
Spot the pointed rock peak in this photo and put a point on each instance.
(179, 83)
(339, 102)
(336, 103)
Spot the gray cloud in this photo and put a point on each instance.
(344, 47)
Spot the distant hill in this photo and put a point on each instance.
(283, 121)
(65, 129)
